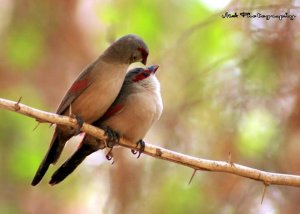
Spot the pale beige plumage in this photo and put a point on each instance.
(94, 91)
(136, 108)
(142, 107)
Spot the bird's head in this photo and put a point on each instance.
(140, 74)
(129, 49)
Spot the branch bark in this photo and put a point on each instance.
(267, 178)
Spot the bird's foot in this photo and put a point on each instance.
(79, 124)
(109, 155)
(140, 143)
(113, 137)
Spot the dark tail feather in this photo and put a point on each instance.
(52, 156)
(71, 164)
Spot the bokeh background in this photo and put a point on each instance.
(228, 85)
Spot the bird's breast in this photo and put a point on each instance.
(134, 121)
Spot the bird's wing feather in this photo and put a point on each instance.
(79, 86)
(71, 164)
(112, 111)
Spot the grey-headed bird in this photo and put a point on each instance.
(93, 92)
(136, 108)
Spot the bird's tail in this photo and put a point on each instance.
(71, 164)
(51, 157)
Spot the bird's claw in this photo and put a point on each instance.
(112, 136)
(79, 124)
(109, 156)
(112, 139)
(140, 143)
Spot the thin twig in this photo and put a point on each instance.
(194, 172)
(37, 125)
(159, 152)
(264, 193)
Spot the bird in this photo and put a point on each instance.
(93, 92)
(137, 107)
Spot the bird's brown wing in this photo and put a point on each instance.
(79, 85)
(112, 111)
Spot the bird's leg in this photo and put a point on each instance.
(113, 137)
(140, 143)
(78, 119)
(101, 144)
(79, 124)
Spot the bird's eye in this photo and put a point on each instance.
(145, 74)
(134, 58)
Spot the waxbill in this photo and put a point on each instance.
(93, 92)
(136, 108)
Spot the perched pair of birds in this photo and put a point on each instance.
(106, 95)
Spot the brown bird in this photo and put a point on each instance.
(136, 108)
(92, 93)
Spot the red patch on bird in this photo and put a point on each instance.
(143, 75)
(112, 111)
(143, 51)
(79, 85)
(144, 55)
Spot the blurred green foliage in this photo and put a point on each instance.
(22, 144)
(257, 132)
(175, 197)
(24, 46)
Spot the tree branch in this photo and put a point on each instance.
(267, 178)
